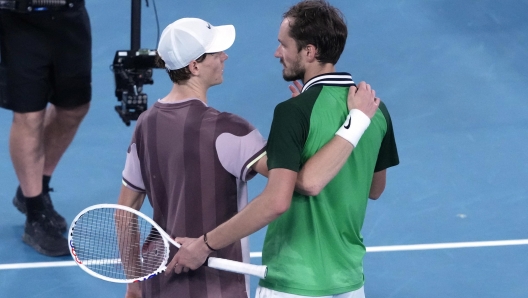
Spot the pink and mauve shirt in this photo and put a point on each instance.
(193, 162)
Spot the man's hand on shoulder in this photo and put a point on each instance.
(362, 104)
(363, 98)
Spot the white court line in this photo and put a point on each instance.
(447, 245)
(432, 246)
(369, 249)
(37, 265)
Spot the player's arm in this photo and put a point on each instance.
(133, 199)
(133, 290)
(378, 184)
(323, 166)
(131, 196)
(261, 166)
(274, 200)
(328, 161)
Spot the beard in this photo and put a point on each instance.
(295, 72)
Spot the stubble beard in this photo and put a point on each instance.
(294, 73)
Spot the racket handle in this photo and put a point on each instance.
(238, 267)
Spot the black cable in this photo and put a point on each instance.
(157, 22)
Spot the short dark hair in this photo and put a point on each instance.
(318, 23)
(178, 75)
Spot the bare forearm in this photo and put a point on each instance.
(261, 166)
(323, 166)
(130, 198)
(130, 254)
(274, 200)
(255, 216)
(133, 290)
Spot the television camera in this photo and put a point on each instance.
(132, 70)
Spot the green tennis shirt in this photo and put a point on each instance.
(316, 248)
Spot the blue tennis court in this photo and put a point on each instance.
(454, 75)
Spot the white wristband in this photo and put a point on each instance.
(355, 125)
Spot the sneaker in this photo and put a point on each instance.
(56, 219)
(43, 236)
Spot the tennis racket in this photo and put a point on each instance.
(120, 244)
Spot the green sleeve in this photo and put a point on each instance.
(289, 130)
(388, 153)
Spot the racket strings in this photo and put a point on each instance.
(118, 244)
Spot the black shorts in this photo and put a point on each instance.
(45, 57)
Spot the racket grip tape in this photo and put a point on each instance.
(238, 267)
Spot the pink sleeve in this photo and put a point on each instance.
(132, 177)
(238, 153)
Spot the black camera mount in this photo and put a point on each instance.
(133, 69)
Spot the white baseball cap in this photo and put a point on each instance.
(189, 38)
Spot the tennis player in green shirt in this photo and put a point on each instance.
(313, 245)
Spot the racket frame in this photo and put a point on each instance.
(165, 237)
(217, 263)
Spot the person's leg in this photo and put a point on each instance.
(37, 138)
(26, 147)
(26, 59)
(72, 88)
(38, 141)
(59, 130)
(27, 153)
